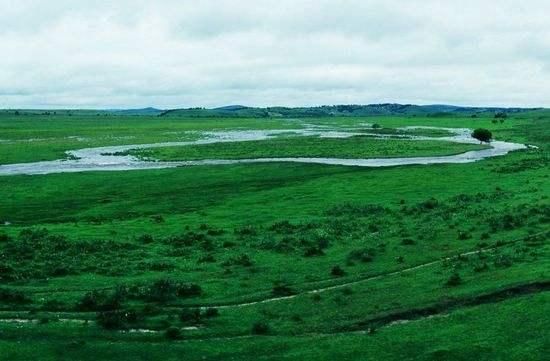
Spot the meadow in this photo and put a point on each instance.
(275, 260)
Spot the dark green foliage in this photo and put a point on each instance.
(4, 237)
(207, 258)
(337, 271)
(190, 315)
(407, 242)
(357, 210)
(242, 260)
(503, 261)
(482, 134)
(13, 297)
(101, 301)
(361, 255)
(145, 238)
(246, 231)
(172, 333)
(260, 328)
(164, 290)
(282, 289)
(211, 312)
(454, 280)
(116, 320)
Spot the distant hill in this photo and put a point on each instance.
(141, 111)
(354, 110)
(242, 111)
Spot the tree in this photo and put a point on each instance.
(483, 135)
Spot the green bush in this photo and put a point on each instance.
(407, 242)
(116, 320)
(454, 280)
(362, 255)
(337, 271)
(13, 296)
(190, 315)
(172, 333)
(211, 312)
(4, 237)
(260, 328)
(281, 289)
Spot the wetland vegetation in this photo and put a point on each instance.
(285, 260)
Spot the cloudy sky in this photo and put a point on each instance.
(174, 53)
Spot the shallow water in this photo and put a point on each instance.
(102, 158)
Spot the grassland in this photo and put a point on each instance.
(300, 261)
(353, 147)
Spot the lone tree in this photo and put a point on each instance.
(483, 135)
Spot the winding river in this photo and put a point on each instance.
(109, 158)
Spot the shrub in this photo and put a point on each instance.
(407, 242)
(429, 204)
(228, 244)
(172, 333)
(211, 312)
(246, 231)
(454, 280)
(13, 296)
(116, 320)
(281, 289)
(347, 291)
(260, 328)
(207, 258)
(4, 237)
(312, 251)
(241, 260)
(190, 315)
(481, 267)
(363, 255)
(503, 261)
(157, 218)
(462, 235)
(145, 238)
(337, 271)
(100, 301)
(164, 290)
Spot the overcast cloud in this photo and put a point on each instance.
(164, 53)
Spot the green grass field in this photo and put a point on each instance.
(353, 147)
(276, 260)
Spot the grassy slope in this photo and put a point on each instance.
(477, 332)
(260, 195)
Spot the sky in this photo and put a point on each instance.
(179, 53)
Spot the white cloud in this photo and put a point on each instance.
(187, 53)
